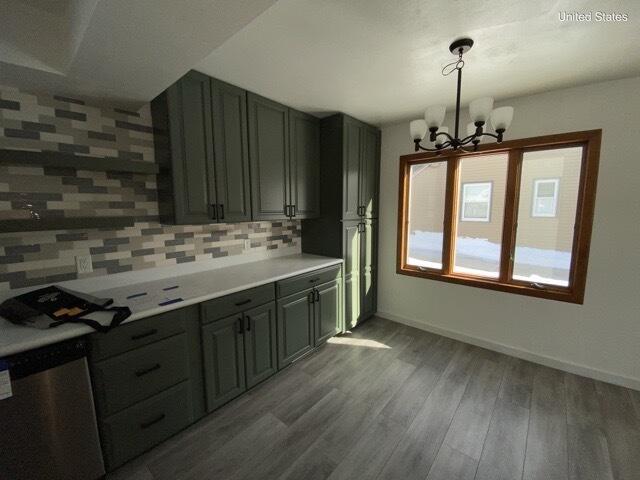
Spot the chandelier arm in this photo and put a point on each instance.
(468, 139)
(427, 149)
(449, 137)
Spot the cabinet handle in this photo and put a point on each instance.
(310, 297)
(294, 209)
(140, 336)
(248, 323)
(317, 297)
(240, 326)
(243, 302)
(214, 210)
(314, 280)
(152, 422)
(286, 210)
(145, 371)
(221, 205)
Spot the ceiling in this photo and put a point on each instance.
(381, 60)
(124, 52)
(378, 60)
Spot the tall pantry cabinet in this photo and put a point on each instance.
(348, 224)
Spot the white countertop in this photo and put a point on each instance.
(191, 288)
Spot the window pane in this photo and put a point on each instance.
(545, 196)
(483, 180)
(476, 202)
(427, 186)
(546, 215)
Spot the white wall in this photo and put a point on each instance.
(601, 338)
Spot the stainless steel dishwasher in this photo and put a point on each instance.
(48, 427)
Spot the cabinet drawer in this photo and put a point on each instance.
(307, 280)
(136, 429)
(133, 376)
(236, 302)
(138, 333)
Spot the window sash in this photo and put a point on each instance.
(574, 293)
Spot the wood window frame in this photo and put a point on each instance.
(590, 140)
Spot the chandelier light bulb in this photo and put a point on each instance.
(418, 129)
(480, 109)
(501, 118)
(434, 115)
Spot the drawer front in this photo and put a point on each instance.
(307, 280)
(133, 376)
(236, 302)
(136, 334)
(129, 433)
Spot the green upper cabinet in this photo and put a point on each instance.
(361, 152)
(184, 147)
(229, 107)
(351, 169)
(269, 153)
(202, 149)
(284, 147)
(369, 165)
(304, 137)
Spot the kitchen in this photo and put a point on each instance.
(211, 265)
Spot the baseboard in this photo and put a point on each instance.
(519, 353)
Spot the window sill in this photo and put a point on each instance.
(521, 288)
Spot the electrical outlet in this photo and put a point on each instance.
(247, 244)
(84, 264)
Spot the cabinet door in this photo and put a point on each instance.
(351, 252)
(223, 353)
(351, 169)
(295, 327)
(229, 106)
(192, 149)
(260, 343)
(327, 311)
(304, 137)
(368, 269)
(369, 172)
(269, 157)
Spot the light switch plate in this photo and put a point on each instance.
(84, 264)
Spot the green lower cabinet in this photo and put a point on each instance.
(295, 326)
(138, 428)
(223, 354)
(328, 321)
(260, 343)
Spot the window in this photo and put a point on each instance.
(514, 216)
(545, 198)
(476, 202)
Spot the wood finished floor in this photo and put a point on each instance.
(392, 402)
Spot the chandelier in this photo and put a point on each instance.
(480, 110)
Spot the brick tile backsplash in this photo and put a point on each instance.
(53, 123)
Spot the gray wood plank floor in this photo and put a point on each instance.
(392, 402)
